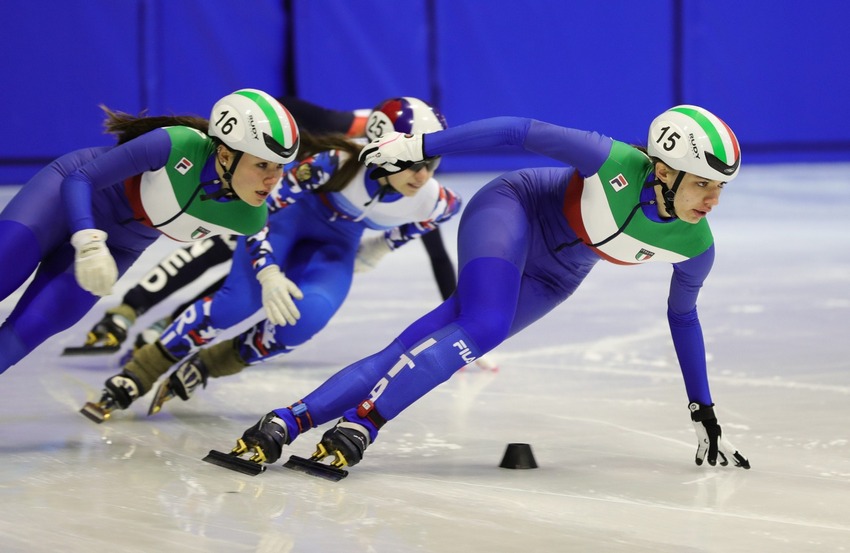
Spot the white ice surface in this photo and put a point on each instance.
(594, 388)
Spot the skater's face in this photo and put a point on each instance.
(410, 181)
(695, 197)
(254, 177)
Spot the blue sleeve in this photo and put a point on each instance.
(586, 151)
(145, 153)
(685, 327)
(260, 250)
(302, 177)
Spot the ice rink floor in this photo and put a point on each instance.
(594, 388)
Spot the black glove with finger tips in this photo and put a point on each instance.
(711, 443)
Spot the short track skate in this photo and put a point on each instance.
(94, 349)
(99, 341)
(164, 393)
(233, 460)
(314, 467)
(100, 411)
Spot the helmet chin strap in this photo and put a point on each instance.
(669, 193)
(226, 191)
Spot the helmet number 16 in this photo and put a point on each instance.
(669, 143)
(226, 126)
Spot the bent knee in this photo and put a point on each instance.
(487, 329)
(316, 310)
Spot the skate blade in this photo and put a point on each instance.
(163, 394)
(94, 412)
(315, 468)
(90, 350)
(233, 462)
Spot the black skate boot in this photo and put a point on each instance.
(347, 441)
(105, 337)
(181, 383)
(264, 442)
(120, 392)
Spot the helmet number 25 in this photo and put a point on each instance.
(669, 143)
(226, 126)
(377, 127)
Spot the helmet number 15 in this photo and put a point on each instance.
(668, 143)
(226, 125)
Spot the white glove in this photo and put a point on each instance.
(94, 266)
(278, 292)
(393, 152)
(370, 252)
(710, 441)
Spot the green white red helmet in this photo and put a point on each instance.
(694, 140)
(255, 122)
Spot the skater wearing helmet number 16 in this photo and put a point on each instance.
(526, 242)
(298, 269)
(85, 218)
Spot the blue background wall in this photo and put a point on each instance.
(775, 72)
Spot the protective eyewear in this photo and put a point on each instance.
(430, 164)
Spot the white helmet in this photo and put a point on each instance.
(694, 140)
(405, 115)
(253, 121)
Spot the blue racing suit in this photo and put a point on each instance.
(313, 236)
(526, 242)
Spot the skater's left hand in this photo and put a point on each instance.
(711, 443)
(393, 152)
(278, 292)
(94, 266)
(370, 252)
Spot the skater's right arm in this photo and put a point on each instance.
(584, 150)
(94, 266)
(146, 153)
(278, 291)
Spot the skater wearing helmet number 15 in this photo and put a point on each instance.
(526, 242)
(85, 218)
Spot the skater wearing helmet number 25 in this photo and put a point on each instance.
(85, 218)
(526, 241)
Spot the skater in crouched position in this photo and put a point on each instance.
(185, 265)
(526, 242)
(86, 217)
(299, 269)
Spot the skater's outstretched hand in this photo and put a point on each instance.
(711, 443)
(94, 266)
(278, 292)
(392, 153)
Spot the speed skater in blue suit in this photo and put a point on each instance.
(526, 241)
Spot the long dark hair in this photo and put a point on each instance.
(312, 144)
(127, 127)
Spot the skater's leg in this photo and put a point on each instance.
(20, 254)
(441, 263)
(37, 315)
(473, 321)
(179, 269)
